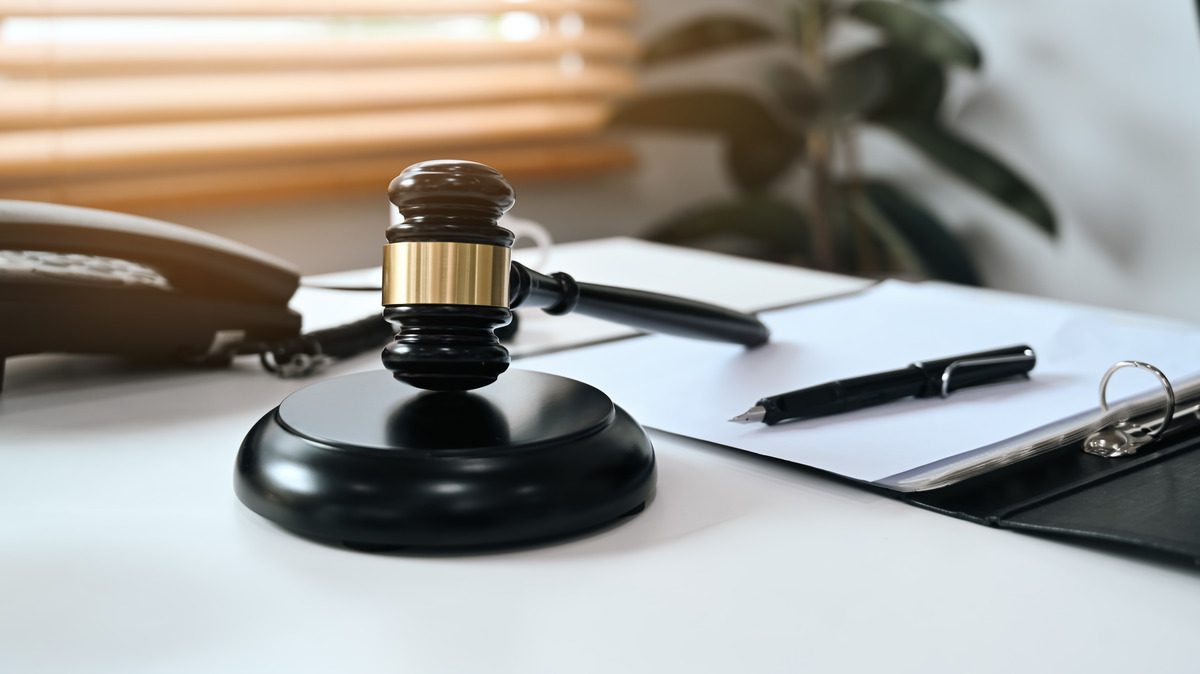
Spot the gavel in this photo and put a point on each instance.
(449, 282)
(455, 457)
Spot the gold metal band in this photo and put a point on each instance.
(445, 272)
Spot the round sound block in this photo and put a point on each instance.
(370, 462)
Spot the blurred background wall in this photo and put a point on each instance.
(1097, 102)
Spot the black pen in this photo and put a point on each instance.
(919, 380)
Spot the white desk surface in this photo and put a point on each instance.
(123, 549)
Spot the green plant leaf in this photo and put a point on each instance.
(913, 86)
(795, 91)
(940, 253)
(920, 29)
(758, 147)
(755, 161)
(976, 167)
(879, 249)
(858, 84)
(705, 35)
(759, 226)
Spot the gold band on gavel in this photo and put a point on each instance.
(445, 272)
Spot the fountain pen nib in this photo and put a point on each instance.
(753, 415)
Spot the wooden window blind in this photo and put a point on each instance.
(135, 105)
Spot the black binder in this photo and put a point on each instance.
(1132, 482)
(1148, 501)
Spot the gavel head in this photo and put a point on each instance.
(446, 275)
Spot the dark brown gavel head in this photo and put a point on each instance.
(446, 275)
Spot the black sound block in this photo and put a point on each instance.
(373, 463)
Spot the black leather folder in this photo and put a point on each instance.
(1147, 503)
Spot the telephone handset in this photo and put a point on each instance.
(80, 280)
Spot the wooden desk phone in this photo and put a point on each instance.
(445, 450)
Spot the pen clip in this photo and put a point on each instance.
(965, 363)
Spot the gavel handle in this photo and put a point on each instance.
(559, 294)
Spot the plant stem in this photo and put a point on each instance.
(864, 258)
(819, 141)
(820, 182)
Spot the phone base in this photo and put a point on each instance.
(372, 463)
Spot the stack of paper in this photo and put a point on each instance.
(692, 388)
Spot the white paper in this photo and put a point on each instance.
(692, 387)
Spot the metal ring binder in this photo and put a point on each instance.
(1126, 437)
(1162, 379)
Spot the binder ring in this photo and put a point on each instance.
(1168, 410)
